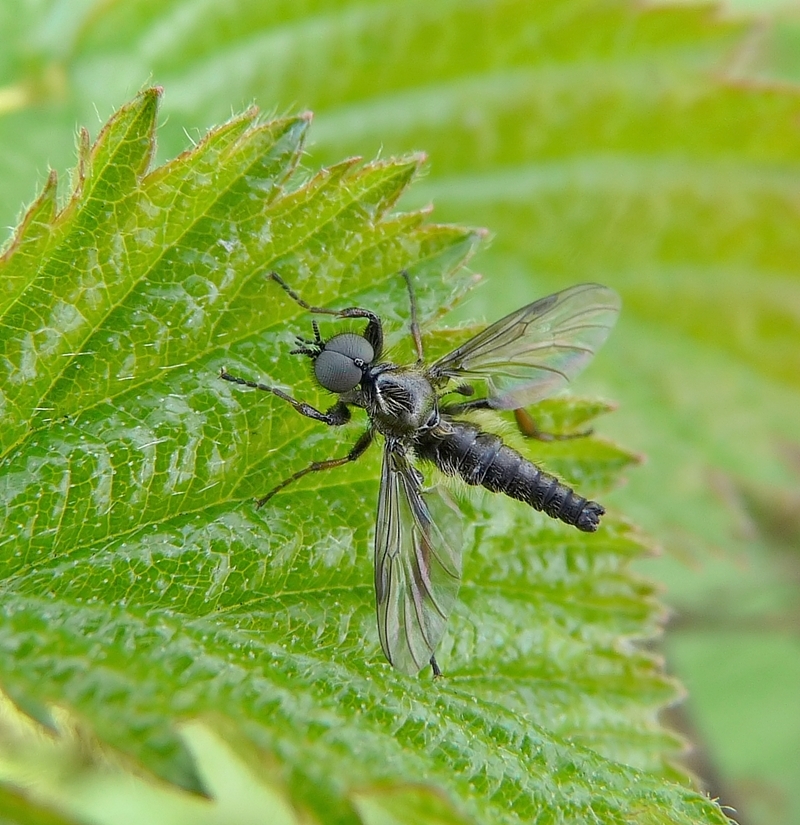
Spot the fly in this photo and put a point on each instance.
(519, 360)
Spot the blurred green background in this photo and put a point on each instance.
(655, 149)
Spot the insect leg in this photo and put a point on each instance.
(415, 333)
(374, 330)
(358, 450)
(337, 415)
(437, 672)
(525, 422)
(527, 426)
(465, 406)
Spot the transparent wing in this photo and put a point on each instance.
(531, 353)
(417, 565)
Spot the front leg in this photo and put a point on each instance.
(337, 415)
(373, 332)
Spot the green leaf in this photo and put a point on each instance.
(391, 806)
(17, 809)
(140, 586)
(68, 770)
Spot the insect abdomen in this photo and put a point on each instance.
(481, 458)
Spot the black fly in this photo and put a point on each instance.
(515, 362)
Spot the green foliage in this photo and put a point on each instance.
(72, 770)
(639, 145)
(140, 586)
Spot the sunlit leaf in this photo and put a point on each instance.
(141, 586)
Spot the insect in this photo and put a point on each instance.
(423, 413)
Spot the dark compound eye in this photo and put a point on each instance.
(352, 346)
(339, 366)
(336, 372)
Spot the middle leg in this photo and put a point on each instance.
(359, 448)
(415, 333)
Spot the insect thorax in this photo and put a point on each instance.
(403, 401)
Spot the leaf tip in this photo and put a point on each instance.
(41, 212)
(420, 158)
(84, 151)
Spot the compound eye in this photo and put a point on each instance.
(353, 346)
(336, 372)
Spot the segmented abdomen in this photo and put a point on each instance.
(459, 448)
